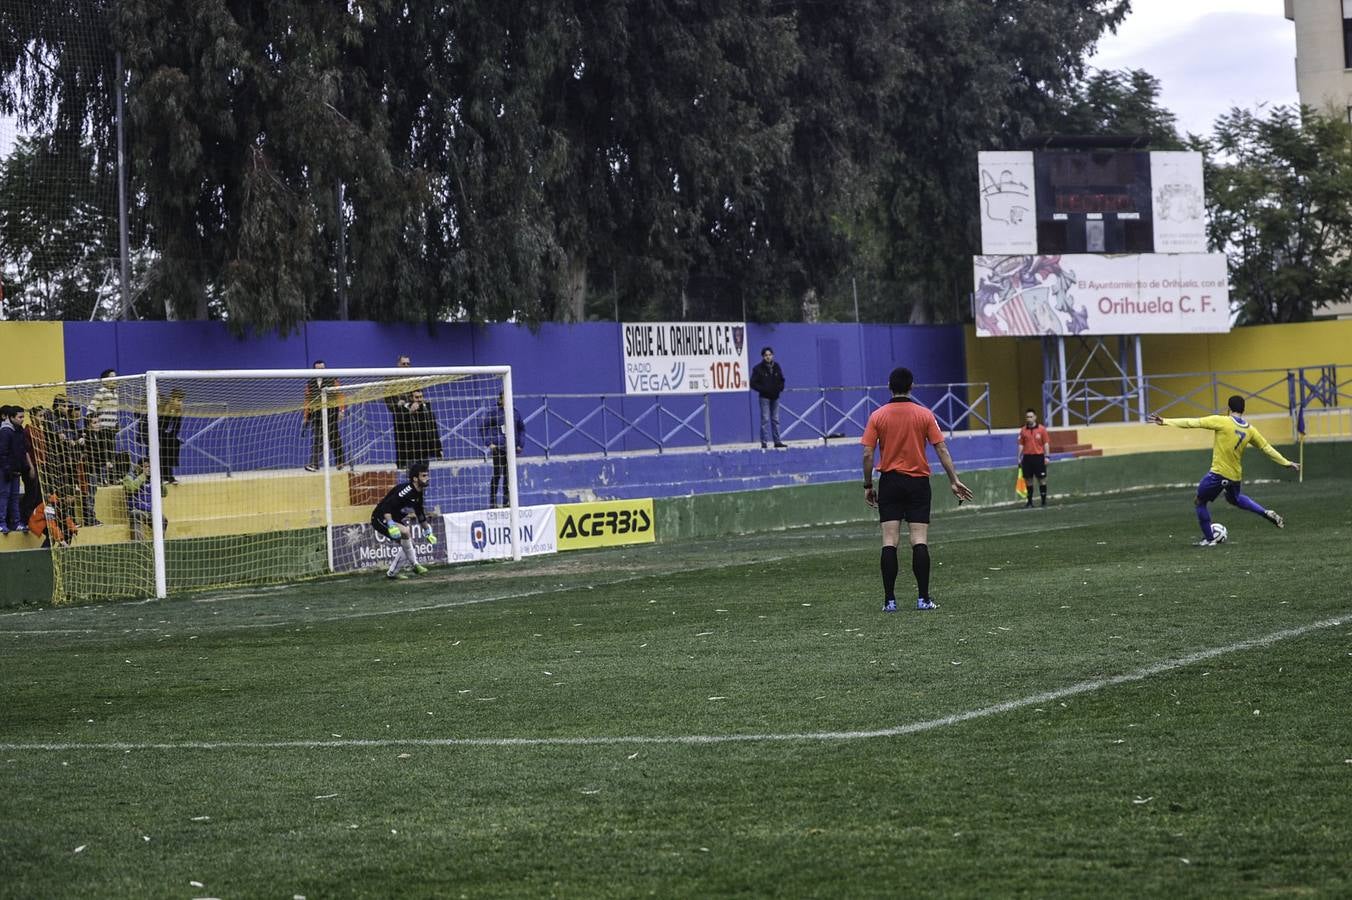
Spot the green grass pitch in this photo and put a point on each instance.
(1096, 708)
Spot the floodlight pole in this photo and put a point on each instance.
(124, 253)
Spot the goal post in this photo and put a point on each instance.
(214, 478)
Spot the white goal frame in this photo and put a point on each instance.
(152, 379)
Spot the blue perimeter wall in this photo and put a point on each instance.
(555, 359)
(576, 359)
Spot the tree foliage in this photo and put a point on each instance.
(1279, 198)
(492, 160)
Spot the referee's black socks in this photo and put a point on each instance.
(920, 566)
(889, 564)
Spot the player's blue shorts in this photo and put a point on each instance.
(1212, 485)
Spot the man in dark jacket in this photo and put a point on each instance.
(493, 429)
(13, 463)
(767, 379)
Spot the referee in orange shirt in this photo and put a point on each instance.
(901, 429)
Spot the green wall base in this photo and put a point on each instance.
(798, 506)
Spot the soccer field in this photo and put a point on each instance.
(1096, 708)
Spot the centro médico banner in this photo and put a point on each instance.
(606, 523)
(487, 533)
(685, 357)
(1150, 293)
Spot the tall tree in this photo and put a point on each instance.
(503, 160)
(1119, 102)
(982, 75)
(1279, 196)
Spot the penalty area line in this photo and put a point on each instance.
(1083, 687)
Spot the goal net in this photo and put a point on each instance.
(188, 480)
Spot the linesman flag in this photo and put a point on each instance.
(1020, 484)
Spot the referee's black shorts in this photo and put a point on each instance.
(1034, 465)
(903, 497)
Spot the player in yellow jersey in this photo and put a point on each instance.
(1233, 434)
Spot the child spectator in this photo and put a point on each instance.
(139, 510)
(101, 421)
(52, 524)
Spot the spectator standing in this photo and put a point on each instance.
(1035, 446)
(767, 379)
(494, 432)
(74, 485)
(312, 416)
(12, 454)
(170, 424)
(35, 474)
(397, 404)
(101, 421)
(901, 429)
(421, 436)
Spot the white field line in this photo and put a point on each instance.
(190, 628)
(1083, 687)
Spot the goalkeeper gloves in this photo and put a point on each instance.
(394, 531)
(431, 538)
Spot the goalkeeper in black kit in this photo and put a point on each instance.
(395, 516)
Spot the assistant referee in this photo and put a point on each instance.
(900, 430)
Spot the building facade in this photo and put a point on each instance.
(1323, 54)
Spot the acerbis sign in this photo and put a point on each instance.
(605, 524)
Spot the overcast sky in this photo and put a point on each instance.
(1209, 55)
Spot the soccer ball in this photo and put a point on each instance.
(1219, 533)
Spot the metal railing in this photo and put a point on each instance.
(576, 424)
(1188, 394)
(604, 423)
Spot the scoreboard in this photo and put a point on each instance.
(1097, 202)
(1082, 242)
(1054, 202)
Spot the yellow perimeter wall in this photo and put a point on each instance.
(1013, 366)
(31, 353)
